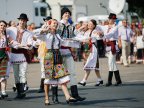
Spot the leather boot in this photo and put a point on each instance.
(20, 90)
(109, 83)
(74, 92)
(41, 89)
(117, 77)
(55, 94)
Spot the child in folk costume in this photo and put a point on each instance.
(91, 54)
(55, 72)
(3, 58)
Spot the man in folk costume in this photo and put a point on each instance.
(20, 53)
(111, 36)
(66, 31)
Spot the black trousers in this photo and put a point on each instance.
(101, 48)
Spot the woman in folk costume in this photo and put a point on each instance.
(111, 36)
(55, 72)
(20, 53)
(3, 58)
(90, 52)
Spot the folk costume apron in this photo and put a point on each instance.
(3, 57)
(54, 69)
(92, 62)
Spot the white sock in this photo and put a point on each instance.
(99, 79)
(83, 81)
(3, 92)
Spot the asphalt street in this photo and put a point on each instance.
(129, 95)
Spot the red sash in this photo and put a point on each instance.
(112, 44)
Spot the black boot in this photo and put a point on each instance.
(2, 96)
(41, 90)
(20, 90)
(55, 94)
(117, 77)
(109, 83)
(74, 92)
(14, 88)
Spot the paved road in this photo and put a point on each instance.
(129, 95)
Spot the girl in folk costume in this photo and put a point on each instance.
(3, 58)
(111, 36)
(91, 59)
(55, 72)
(20, 53)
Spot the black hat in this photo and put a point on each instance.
(23, 16)
(112, 16)
(47, 18)
(64, 10)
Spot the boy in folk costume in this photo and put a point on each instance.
(111, 36)
(55, 72)
(19, 53)
(66, 31)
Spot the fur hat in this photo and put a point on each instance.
(23, 16)
(64, 10)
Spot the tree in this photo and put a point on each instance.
(136, 6)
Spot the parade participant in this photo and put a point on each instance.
(91, 54)
(55, 72)
(111, 36)
(125, 34)
(81, 28)
(21, 53)
(66, 31)
(41, 52)
(3, 59)
(54, 88)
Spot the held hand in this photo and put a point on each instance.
(29, 45)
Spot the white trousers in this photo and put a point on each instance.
(112, 61)
(20, 71)
(69, 64)
(42, 69)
